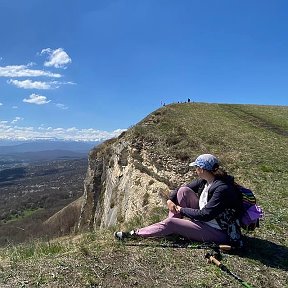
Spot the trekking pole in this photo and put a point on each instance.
(212, 259)
(177, 245)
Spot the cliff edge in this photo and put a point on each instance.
(127, 177)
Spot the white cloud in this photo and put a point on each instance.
(9, 131)
(24, 71)
(1, 104)
(28, 84)
(61, 106)
(59, 129)
(40, 85)
(56, 58)
(36, 99)
(14, 107)
(72, 129)
(4, 126)
(16, 120)
(56, 84)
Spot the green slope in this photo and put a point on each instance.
(250, 140)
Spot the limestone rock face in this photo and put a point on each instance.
(124, 179)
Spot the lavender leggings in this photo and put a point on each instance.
(190, 229)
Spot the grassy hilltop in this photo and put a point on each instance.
(251, 142)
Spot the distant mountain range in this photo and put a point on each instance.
(44, 150)
(36, 146)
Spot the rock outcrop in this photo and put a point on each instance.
(126, 178)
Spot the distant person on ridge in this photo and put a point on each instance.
(210, 203)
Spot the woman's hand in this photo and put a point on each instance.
(178, 208)
(173, 207)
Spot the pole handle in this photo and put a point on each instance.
(215, 261)
(225, 247)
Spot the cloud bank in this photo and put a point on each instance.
(12, 131)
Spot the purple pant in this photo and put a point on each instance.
(190, 229)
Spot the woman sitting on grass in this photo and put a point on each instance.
(210, 203)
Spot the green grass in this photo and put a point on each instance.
(97, 260)
(24, 214)
(34, 249)
(251, 142)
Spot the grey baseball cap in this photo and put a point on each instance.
(205, 161)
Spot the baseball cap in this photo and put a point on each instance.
(205, 161)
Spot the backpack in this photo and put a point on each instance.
(250, 212)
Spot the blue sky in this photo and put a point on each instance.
(85, 70)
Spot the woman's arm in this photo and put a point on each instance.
(214, 206)
(194, 185)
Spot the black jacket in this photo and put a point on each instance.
(221, 196)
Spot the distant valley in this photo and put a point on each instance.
(37, 179)
(13, 153)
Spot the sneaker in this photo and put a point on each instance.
(121, 235)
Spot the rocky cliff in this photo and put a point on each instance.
(127, 177)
